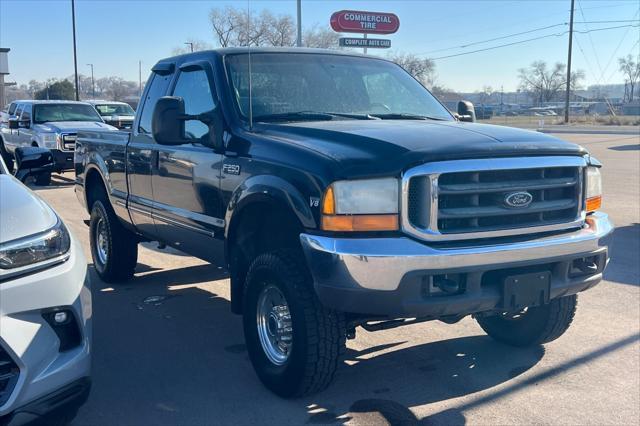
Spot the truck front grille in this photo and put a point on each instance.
(493, 197)
(69, 141)
(9, 373)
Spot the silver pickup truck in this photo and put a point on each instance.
(48, 124)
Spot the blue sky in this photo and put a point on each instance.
(115, 35)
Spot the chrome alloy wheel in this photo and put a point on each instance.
(274, 325)
(102, 247)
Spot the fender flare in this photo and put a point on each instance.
(96, 163)
(269, 189)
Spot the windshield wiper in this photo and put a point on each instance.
(310, 116)
(403, 116)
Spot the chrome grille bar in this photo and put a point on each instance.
(455, 200)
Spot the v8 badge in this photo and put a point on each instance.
(314, 201)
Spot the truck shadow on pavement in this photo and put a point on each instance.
(167, 350)
(625, 252)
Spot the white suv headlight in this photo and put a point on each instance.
(593, 189)
(361, 205)
(50, 140)
(36, 248)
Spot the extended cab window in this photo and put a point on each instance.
(194, 88)
(12, 108)
(159, 85)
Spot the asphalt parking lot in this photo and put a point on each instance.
(168, 351)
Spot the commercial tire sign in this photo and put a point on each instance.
(354, 21)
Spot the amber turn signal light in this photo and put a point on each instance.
(594, 203)
(365, 222)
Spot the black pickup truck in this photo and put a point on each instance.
(339, 193)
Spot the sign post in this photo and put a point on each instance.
(355, 21)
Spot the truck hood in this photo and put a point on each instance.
(72, 126)
(381, 147)
(22, 213)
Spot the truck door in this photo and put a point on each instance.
(11, 136)
(188, 209)
(142, 154)
(25, 134)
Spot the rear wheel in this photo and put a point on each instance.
(532, 326)
(114, 249)
(293, 341)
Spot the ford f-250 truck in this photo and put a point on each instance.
(340, 193)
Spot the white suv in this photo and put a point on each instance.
(45, 311)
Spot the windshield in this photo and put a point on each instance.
(284, 84)
(114, 109)
(47, 113)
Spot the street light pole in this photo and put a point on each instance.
(568, 93)
(299, 15)
(93, 86)
(191, 45)
(75, 56)
(140, 79)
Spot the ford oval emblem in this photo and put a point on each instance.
(517, 200)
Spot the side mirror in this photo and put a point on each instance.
(168, 120)
(33, 161)
(466, 111)
(13, 124)
(24, 124)
(167, 123)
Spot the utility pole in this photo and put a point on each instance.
(93, 85)
(567, 95)
(299, 39)
(140, 79)
(190, 45)
(75, 56)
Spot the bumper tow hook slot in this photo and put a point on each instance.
(446, 285)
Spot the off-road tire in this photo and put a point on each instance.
(319, 334)
(122, 245)
(43, 179)
(539, 325)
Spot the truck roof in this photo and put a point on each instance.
(236, 50)
(37, 102)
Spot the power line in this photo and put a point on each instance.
(532, 39)
(493, 39)
(593, 47)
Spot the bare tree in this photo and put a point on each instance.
(236, 27)
(423, 69)
(320, 37)
(278, 30)
(631, 71)
(225, 23)
(545, 84)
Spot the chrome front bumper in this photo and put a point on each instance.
(348, 267)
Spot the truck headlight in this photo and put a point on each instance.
(593, 189)
(35, 248)
(50, 140)
(361, 205)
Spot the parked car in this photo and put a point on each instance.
(45, 309)
(339, 193)
(48, 124)
(117, 114)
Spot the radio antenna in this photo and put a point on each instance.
(249, 61)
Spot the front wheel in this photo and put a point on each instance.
(114, 249)
(532, 326)
(293, 341)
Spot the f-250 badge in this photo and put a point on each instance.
(231, 169)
